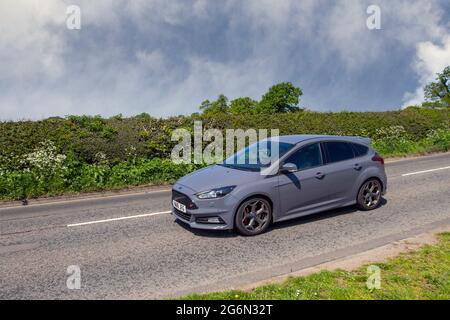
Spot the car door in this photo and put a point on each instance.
(343, 170)
(304, 189)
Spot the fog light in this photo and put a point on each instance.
(216, 220)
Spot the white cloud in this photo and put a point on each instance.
(430, 60)
(26, 43)
(244, 78)
(165, 57)
(154, 61)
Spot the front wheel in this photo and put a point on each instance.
(253, 217)
(369, 195)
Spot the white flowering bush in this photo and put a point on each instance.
(9, 162)
(34, 173)
(393, 140)
(3, 171)
(439, 138)
(391, 133)
(101, 158)
(44, 161)
(130, 152)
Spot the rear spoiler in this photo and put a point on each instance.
(364, 140)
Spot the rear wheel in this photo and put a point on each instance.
(369, 195)
(253, 216)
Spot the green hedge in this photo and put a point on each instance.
(80, 154)
(149, 137)
(77, 177)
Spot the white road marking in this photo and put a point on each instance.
(88, 198)
(117, 219)
(424, 171)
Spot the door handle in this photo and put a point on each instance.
(357, 167)
(320, 175)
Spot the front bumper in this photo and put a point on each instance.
(222, 208)
(192, 221)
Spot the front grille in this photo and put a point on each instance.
(182, 215)
(183, 199)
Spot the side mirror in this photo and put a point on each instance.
(288, 168)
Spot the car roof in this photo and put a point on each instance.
(294, 139)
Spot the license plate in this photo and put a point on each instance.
(179, 206)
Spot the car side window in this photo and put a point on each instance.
(360, 150)
(339, 151)
(307, 157)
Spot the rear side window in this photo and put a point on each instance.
(360, 150)
(339, 151)
(306, 157)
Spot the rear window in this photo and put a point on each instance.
(339, 151)
(360, 150)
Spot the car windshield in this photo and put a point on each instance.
(258, 155)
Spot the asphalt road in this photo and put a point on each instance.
(151, 256)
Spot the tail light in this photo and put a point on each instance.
(376, 157)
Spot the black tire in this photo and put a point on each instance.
(369, 195)
(253, 216)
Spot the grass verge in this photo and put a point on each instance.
(421, 274)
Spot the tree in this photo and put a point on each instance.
(242, 106)
(280, 98)
(218, 106)
(438, 93)
(205, 105)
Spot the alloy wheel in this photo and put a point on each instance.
(256, 215)
(253, 216)
(370, 194)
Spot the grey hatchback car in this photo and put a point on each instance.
(310, 174)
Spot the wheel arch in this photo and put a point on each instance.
(366, 174)
(372, 177)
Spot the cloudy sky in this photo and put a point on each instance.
(164, 57)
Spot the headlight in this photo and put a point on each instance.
(215, 193)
